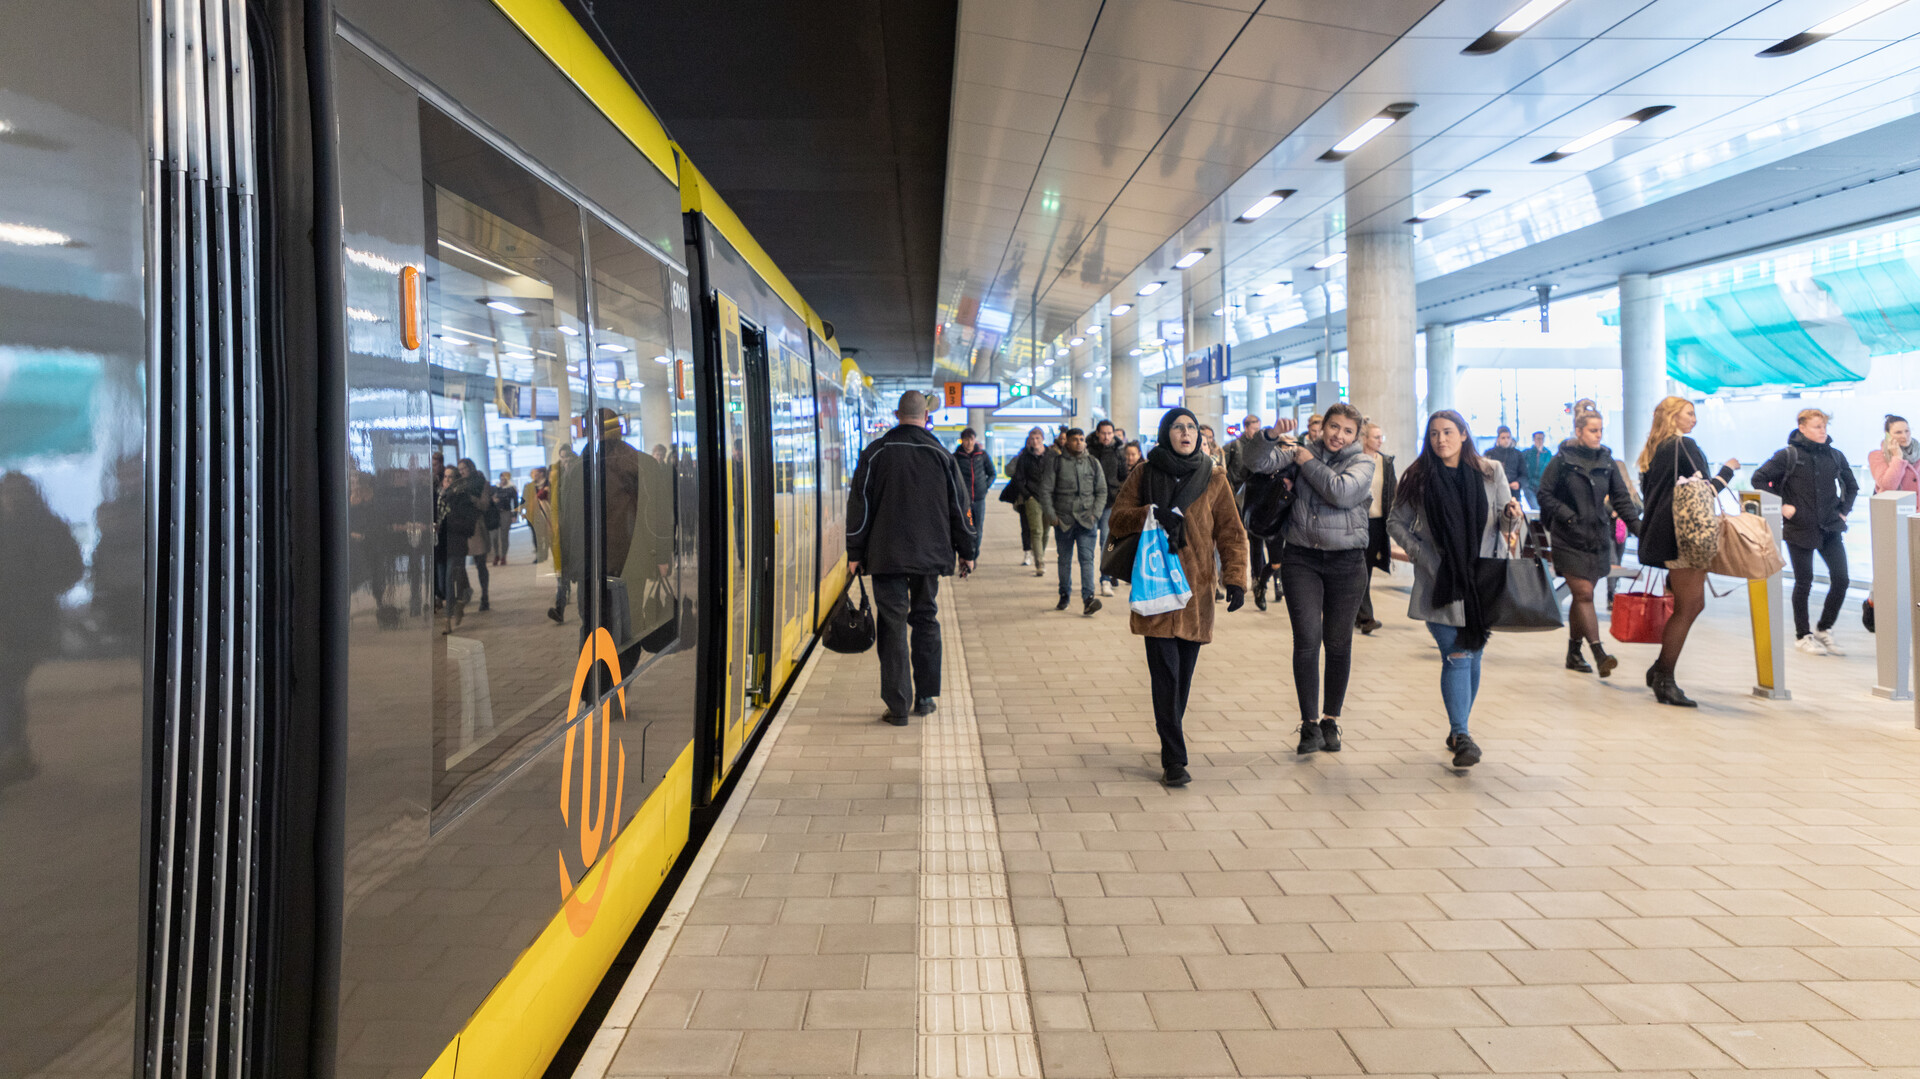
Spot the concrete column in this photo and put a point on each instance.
(1442, 372)
(1380, 327)
(1643, 359)
(473, 432)
(1123, 390)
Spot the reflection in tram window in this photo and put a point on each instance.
(633, 356)
(508, 377)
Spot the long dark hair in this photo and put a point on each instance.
(1413, 482)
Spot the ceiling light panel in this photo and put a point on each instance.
(1121, 310)
(1192, 257)
(1447, 207)
(1521, 20)
(1368, 131)
(1603, 133)
(1150, 288)
(1845, 19)
(1330, 261)
(1263, 205)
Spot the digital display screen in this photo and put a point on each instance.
(546, 403)
(980, 395)
(1172, 394)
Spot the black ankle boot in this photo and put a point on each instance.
(1260, 593)
(1667, 692)
(1575, 661)
(1602, 662)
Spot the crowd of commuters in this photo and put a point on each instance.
(1350, 511)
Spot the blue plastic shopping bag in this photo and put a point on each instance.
(1159, 584)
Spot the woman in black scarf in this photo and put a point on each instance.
(1449, 513)
(1191, 499)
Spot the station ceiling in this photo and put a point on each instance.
(824, 126)
(1095, 142)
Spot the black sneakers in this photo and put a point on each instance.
(1175, 776)
(923, 707)
(1062, 605)
(1311, 740)
(1091, 605)
(1330, 736)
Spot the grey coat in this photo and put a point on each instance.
(1073, 491)
(1407, 524)
(1331, 494)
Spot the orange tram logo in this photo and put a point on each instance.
(596, 826)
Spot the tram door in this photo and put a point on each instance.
(749, 521)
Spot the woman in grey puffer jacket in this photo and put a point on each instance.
(1323, 569)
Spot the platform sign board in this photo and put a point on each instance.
(980, 395)
(1172, 395)
(1209, 366)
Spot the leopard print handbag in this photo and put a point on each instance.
(1694, 527)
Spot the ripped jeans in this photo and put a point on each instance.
(1459, 676)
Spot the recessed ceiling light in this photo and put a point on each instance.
(1600, 135)
(32, 236)
(1447, 207)
(1150, 288)
(1077, 342)
(1192, 257)
(1512, 27)
(1121, 310)
(1268, 290)
(1218, 311)
(1264, 203)
(1330, 261)
(502, 305)
(1856, 14)
(481, 259)
(608, 346)
(1060, 351)
(663, 359)
(1365, 132)
(519, 355)
(1135, 351)
(569, 331)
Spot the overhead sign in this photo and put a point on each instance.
(1172, 395)
(1209, 366)
(979, 394)
(953, 394)
(1034, 407)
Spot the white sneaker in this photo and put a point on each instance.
(1026, 558)
(1810, 644)
(1825, 637)
(1106, 589)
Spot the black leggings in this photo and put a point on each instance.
(1323, 590)
(1832, 551)
(1170, 663)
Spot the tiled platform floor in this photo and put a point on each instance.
(1618, 887)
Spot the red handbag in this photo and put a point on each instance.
(1640, 617)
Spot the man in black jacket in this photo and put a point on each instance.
(908, 522)
(1109, 451)
(1510, 458)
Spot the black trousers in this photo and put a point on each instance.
(903, 607)
(1170, 663)
(1257, 554)
(1832, 551)
(1323, 592)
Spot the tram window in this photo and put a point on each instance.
(509, 356)
(633, 352)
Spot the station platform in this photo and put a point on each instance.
(1005, 888)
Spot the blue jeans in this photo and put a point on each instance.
(1459, 676)
(1106, 515)
(1076, 540)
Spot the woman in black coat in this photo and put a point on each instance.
(1581, 492)
(1816, 483)
(1669, 457)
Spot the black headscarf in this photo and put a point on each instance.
(1175, 481)
(1455, 501)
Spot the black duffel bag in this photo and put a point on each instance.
(849, 631)
(1269, 501)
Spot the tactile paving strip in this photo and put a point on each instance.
(975, 1017)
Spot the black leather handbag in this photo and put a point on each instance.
(1116, 561)
(1522, 593)
(849, 631)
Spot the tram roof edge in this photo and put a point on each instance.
(555, 32)
(698, 196)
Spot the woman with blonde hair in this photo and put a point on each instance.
(1669, 457)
